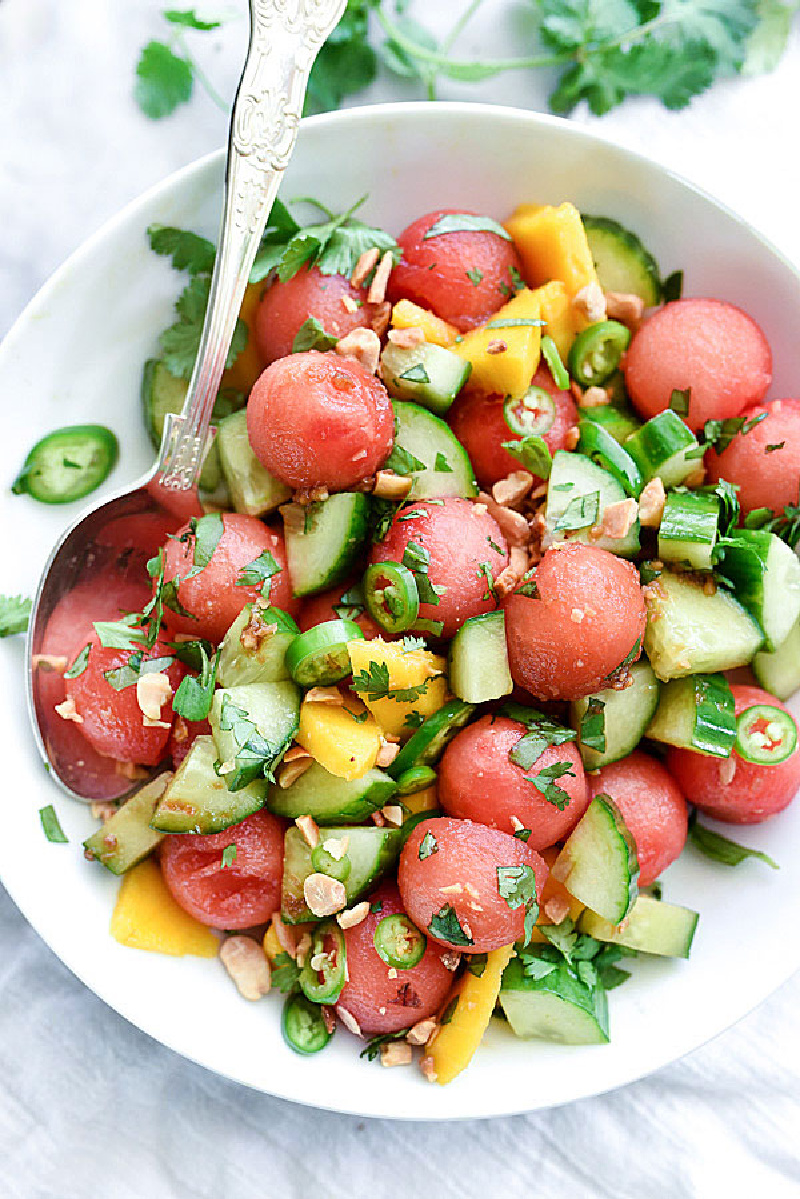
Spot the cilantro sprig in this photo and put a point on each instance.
(14, 613)
(517, 886)
(374, 683)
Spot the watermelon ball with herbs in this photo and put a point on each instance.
(733, 789)
(468, 886)
(488, 774)
(320, 420)
(709, 347)
(383, 993)
(763, 459)
(333, 605)
(584, 621)
(456, 268)
(287, 304)
(652, 807)
(482, 423)
(455, 550)
(220, 563)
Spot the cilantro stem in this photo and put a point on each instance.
(460, 25)
(472, 68)
(200, 75)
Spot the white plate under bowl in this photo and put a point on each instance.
(76, 354)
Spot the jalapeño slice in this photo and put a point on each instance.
(303, 1026)
(391, 596)
(324, 972)
(765, 735)
(398, 942)
(319, 657)
(531, 415)
(596, 352)
(67, 464)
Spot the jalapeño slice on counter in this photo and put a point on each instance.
(67, 464)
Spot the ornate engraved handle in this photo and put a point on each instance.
(285, 36)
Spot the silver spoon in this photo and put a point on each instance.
(285, 36)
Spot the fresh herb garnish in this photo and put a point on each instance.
(193, 698)
(729, 507)
(553, 359)
(770, 449)
(285, 973)
(52, 826)
(346, 62)
(312, 336)
(593, 726)
(15, 611)
(410, 644)
(523, 834)
(787, 526)
(79, 663)
(417, 559)
(534, 454)
(722, 849)
(449, 1011)
(672, 287)
(181, 341)
(228, 855)
(137, 665)
(259, 571)
(374, 682)
(465, 222)
(485, 569)
(475, 276)
(187, 251)
(679, 400)
(256, 756)
(517, 886)
(444, 924)
(720, 433)
(629, 658)
(441, 464)
(580, 512)
(207, 531)
(528, 587)
(373, 1047)
(427, 846)
(402, 462)
(416, 374)
(476, 963)
(542, 732)
(545, 782)
(413, 720)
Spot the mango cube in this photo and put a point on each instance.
(505, 351)
(391, 668)
(454, 1043)
(248, 365)
(408, 315)
(552, 245)
(335, 738)
(556, 309)
(147, 917)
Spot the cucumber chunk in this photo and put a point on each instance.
(622, 262)
(665, 447)
(324, 540)
(262, 718)
(198, 799)
(478, 666)
(263, 659)
(557, 1007)
(431, 441)
(690, 632)
(332, 800)
(664, 929)
(428, 374)
(626, 715)
(573, 477)
(253, 489)
(598, 864)
(163, 394)
(779, 672)
(766, 575)
(428, 743)
(688, 530)
(126, 838)
(371, 852)
(696, 713)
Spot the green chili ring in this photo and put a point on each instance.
(67, 464)
(768, 745)
(398, 942)
(322, 982)
(416, 778)
(531, 415)
(391, 596)
(303, 1026)
(597, 351)
(325, 863)
(319, 657)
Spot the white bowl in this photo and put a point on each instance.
(76, 354)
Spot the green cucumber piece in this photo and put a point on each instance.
(428, 743)
(666, 448)
(428, 374)
(257, 740)
(163, 394)
(651, 926)
(478, 665)
(617, 419)
(696, 713)
(765, 573)
(324, 540)
(688, 530)
(598, 864)
(779, 672)
(573, 478)
(371, 852)
(332, 800)
(261, 662)
(430, 440)
(126, 838)
(622, 262)
(626, 716)
(198, 799)
(253, 489)
(557, 1007)
(600, 445)
(690, 632)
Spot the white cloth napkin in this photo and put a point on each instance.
(91, 1107)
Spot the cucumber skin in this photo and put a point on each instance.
(362, 796)
(297, 866)
(130, 827)
(579, 866)
(634, 267)
(674, 941)
(430, 740)
(645, 687)
(197, 780)
(521, 996)
(437, 438)
(708, 701)
(779, 672)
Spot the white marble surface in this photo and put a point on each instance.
(90, 1106)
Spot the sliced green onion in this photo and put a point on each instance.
(596, 352)
(324, 971)
(398, 942)
(303, 1026)
(532, 414)
(598, 444)
(553, 359)
(319, 657)
(765, 735)
(391, 596)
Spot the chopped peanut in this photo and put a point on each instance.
(349, 304)
(513, 525)
(349, 1021)
(450, 959)
(363, 345)
(68, 711)
(381, 315)
(290, 771)
(50, 662)
(496, 346)
(389, 486)
(387, 753)
(651, 503)
(406, 339)
(367, 261)
(350, 917)
(152, 692)
(727, 770)
(336, 847)
(396, 1053)
(248, 966)
(590, 302)
(594, 397)
(421, 1032)
(324, 695)
(324, 895)
(618, 518)
(511, 490)
(572, 438)
(393, 814)
(256, 630)
(626, 308)
(511, 575)
(428, 1068)
(377, 288)
(308, 827)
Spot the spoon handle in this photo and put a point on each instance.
(285, 36)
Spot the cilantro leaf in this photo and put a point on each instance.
(723, 849)
(672, 287)
(188, 251)
(416, 374)
(517, 886)
(427, 846)
(79, 663)
(593, 726)
(256, 756)
(786, 526)
(136, 666)
(14, 613)
(181, 341)
(534, 454)
(720, 433)
(193, 698)
(543, 732)
(312, 336)
(476, 963)
(445, 925)
(402, 462)
(346, 62)
(485, 569)
(207, 532)
(545, 782)
(164, 80)
(441, 463)
(259, 571)
(417, 559)
(228, 855)
(285, 973)
(413, 720)
(52, 826)
(189, 19)
(373, 1047)
(375, 683)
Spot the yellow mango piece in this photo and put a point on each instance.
(272, 946)
(336, 740)
(426, 800)
(408, 315)
(509, 372)
(407, 668)
(147, 917)
(556, 308)
(454, 1043)
(552, 245)
(248, 365)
